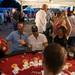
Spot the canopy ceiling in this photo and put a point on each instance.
(38, 3)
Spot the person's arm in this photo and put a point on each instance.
(45, 44)
(9, 37)
(45, 41)
(3, 45)
(8, 40)
(43, 20)
(24, 41)
(29, 43)
(68, 25)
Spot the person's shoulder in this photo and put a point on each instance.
(72, 16)
(40, 11)
(41, 35)
(25, 33)
(30, 36)
(13, 32)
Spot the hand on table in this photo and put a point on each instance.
(22, 42)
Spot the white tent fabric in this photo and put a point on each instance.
(38, 3)
(64, 2)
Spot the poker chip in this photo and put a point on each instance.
(40, 62)
(31, 63)
(25, 64)
(16, 69)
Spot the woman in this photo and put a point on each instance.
(61, 37)
(62, 20)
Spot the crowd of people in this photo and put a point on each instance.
(58, 28)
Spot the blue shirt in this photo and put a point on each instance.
(14, 37)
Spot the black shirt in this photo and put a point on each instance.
(2, 54)
(62, 41)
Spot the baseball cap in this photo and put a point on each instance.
(34, 29)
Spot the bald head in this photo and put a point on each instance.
(44, 7)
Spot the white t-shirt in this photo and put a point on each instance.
(37, 44)
(40, 20)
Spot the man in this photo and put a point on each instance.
(54, 59)
(18, 38)
(37, 41)
(41, 19)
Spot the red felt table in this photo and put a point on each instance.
(6, 64)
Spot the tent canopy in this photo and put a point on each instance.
(10, 3)
(29, 10)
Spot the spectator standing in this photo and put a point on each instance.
(40, 19)
(62, 20)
